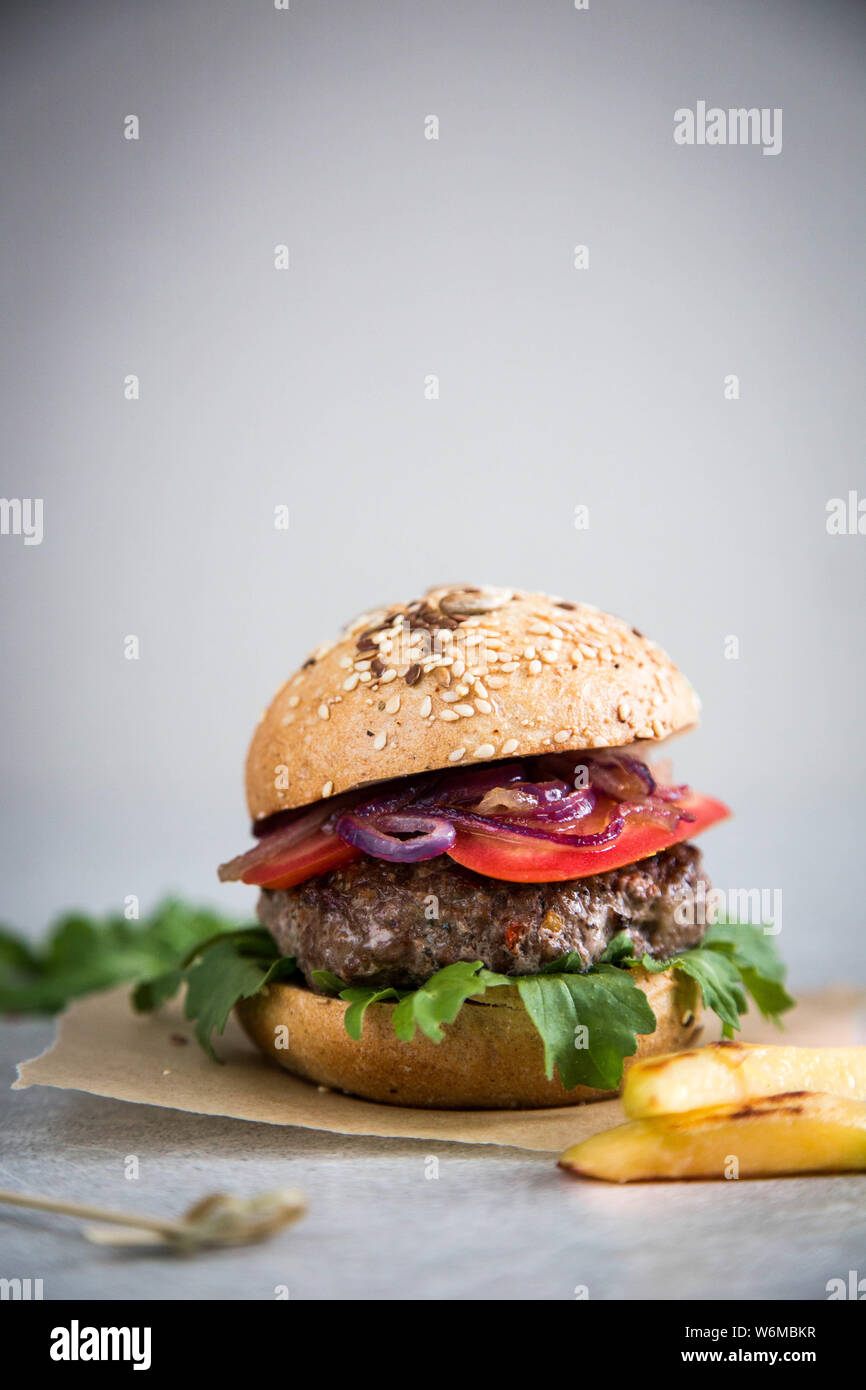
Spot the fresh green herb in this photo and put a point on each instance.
(588, 1023)
(84, 954)
(733, 961)
(588, 1020)
(218, 973)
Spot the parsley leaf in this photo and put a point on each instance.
(588, 1023)
(84, 954)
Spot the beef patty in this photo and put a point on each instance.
(397, 924)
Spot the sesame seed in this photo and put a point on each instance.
(365, 677)
(324, 712)
(345, 662)
(363, 665)
(509, 665)
(496, 682)
(658, 728)
(351, 681)
(529, 653)
(327, 789)
(483, 706)
(479, 689)
(534, 667)
(393, 705)
(458, 668)
(449, 714)
(549, 655)
(484, 750)
(561, 736)
(576, 654)
(443, 675)
(588, 649)
(623, 709)
(426, 706)
(450, 696)
(380, 740)
(462, 689)
(509, 746)
(465, 710)
(387, 676)
(540, 629)
(456, 755)
(294, 700)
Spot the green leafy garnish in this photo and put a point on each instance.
(218, 973)
(588, 1023)
(84, 954)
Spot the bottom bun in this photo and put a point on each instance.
(490, 1058)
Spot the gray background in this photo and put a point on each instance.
(558, 387)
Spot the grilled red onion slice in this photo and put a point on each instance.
(377, 835)
(276, 842)
(535, 831)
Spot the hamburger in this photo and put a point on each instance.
(477, 882)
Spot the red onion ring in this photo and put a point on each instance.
(432, 836)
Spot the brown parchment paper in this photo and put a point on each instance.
(105, 1049)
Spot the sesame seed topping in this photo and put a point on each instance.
(529, 653)
(509, 665)
(534, 667)
(351, 681)
(388, 676)
(294, 700)
(658, 728)
(363, 665)
(456, 755)
(509, 746)
(588, 649)
(449, 696)
(483, 706)
(327, 789)
(496, 682)
(623, 709)
(576, 654)
(484, 750)
(426, 706)
(458, 668)
(549, 655)
(380, 740)
(365, 677)
(345, 662)
(324, 712)
(465, 710)
(449, 714)
(393, 705)
(479, 689)
(561, 736)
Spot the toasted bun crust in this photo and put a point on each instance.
(491, 1057)
(463, 675)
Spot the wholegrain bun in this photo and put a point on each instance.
(464, 675)
(490, 1058)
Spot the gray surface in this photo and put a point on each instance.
(603, 388)
(496, 1224)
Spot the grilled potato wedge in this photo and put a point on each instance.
(798, 1132)
(730, 1072)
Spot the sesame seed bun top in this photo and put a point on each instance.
(460, 676)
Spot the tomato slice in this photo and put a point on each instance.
(315, 855)
(521, 860)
